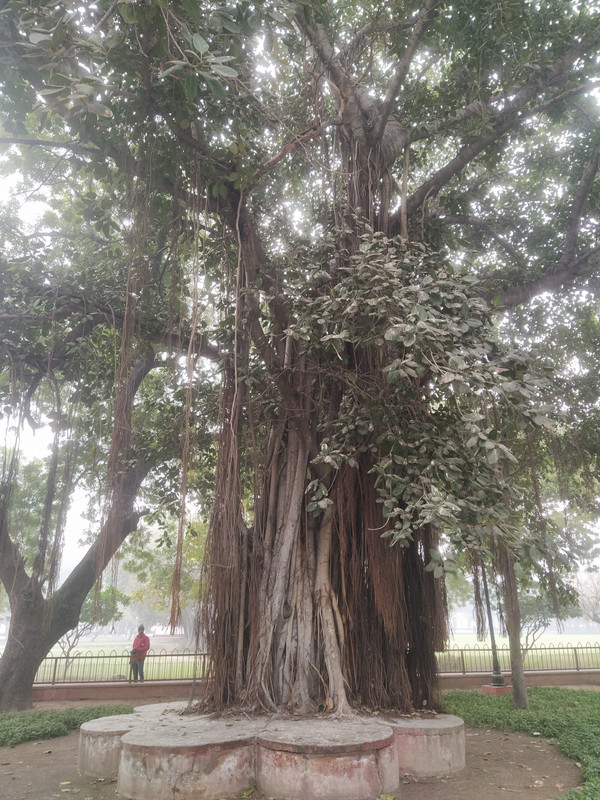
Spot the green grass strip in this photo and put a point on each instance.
(27, 726)
(570, 718)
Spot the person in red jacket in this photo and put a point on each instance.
(141, 645)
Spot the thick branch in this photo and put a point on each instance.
(12, 567)
(424, 18)
(513, 114)
(74, 590)
(579, 199)
(253, 259)
(359, 111)
(569, 268)
(468, 219)
(317, 36)
(565, 276)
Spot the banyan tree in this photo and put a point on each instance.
(328, 201)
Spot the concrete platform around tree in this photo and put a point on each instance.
(323, 759)
(158, 753)
(429, 746)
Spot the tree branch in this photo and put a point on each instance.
(579, 199)
(358, 110)
(514, 112)
(569, 268)
(298, 141)
(424, 18)
(468, 219)
(523, 293)
(74, 590)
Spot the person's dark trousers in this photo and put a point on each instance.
(138, 670)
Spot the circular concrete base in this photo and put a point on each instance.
(159, 754)
(100, 745)
(353, 759)
(187, 758)
(429, 745)
(178, 706)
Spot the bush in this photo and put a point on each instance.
(26, 726)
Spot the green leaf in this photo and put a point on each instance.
(215, 87)
(200, 44)
(179, 65)
(190, 87)
(492, 456)
(229, 24)
(99, 110)
(38, 38)
(224, 70)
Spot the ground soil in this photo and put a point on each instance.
(498, 765)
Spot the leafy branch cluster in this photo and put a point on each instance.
(429, 429)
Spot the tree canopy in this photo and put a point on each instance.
(361, 223)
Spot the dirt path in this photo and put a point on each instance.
(498, 765)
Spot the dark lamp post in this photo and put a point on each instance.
(497, 678)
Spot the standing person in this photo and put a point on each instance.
(141, 645)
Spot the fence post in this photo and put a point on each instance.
(576, 658)
(54, 671)
(462, 660)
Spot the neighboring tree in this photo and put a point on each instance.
(151, 559)
(348, 188)
(588, 590)
(73, 386)
(538, 613)
(98, 609)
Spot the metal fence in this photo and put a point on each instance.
(101, 667)
(462, 660)
(163, 665)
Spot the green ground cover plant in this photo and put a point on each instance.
(570, 718)
(26, 726)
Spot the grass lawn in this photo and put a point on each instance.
(568, 717)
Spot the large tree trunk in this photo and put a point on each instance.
(336, 618)
(26, 648)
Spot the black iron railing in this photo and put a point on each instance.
(101, 667)
(461, 660)
(163, 665)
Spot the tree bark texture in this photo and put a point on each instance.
(513, 627)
